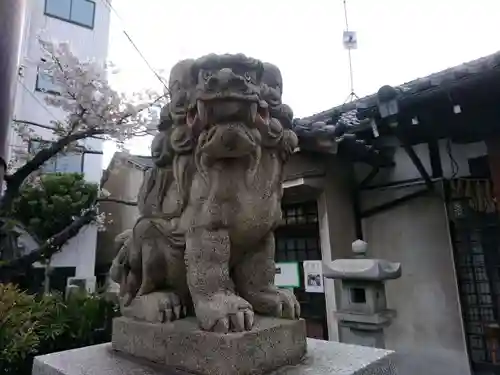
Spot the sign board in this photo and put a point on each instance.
(350, 40)
(287, 275)
(313, 276)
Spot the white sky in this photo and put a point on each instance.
(398, 40)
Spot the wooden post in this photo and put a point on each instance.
(493, 145)
(12, 14)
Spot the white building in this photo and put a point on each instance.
(85, 25)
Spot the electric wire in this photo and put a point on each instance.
(32, 94)
(134, 45)
(129, 38)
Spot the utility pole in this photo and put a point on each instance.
(11, 30)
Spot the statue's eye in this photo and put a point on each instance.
(248, 77)
(206, 75)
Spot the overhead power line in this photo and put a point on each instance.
(127, 35)
(134, 45)
(32, 94)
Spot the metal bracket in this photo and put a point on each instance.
(394, 203)
(416, 161)
(374, 172)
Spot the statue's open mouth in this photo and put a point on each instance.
(217, 109)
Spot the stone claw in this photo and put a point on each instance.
(222, 326)
(242, 321)
(225, 313)
(173, 307)
(280, 303)
(156, 307)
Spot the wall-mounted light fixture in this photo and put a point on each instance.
(387, 102)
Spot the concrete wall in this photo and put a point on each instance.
(337, 230)
(305, 165)
(86, 43)
(123, 183)
(428, 330)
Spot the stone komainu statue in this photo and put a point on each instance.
(204, 243)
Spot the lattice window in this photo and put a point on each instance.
(476, 240)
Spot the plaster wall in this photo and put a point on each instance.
(124, 184)
(305, 165)
(337, 231)
(428, 331)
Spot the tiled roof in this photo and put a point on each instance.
(141, 160)
(326, 127)
(445, 77)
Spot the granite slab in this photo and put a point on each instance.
(271, 344)
(323, 358)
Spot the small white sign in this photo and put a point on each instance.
(350, 40)
(374, 126)
(313, 276)
(287, 275)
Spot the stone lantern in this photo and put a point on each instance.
(363, 311)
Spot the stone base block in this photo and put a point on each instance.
(323, 358)
(271, 344)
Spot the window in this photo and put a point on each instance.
(80, 12)
(45, 83)
(70, 162)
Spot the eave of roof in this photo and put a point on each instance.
(445, 77)
(143, 161)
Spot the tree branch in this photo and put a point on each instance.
(45, 154)
(15, 180)
(51, 246)
(120, 201)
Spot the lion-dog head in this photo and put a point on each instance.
(223, 109)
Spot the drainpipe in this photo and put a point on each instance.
(11, 29)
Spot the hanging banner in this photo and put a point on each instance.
(287, 275)
(313, 276)
(350, 40)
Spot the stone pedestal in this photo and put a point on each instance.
(323, 358)
(271, 344)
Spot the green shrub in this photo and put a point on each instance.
(31, 325)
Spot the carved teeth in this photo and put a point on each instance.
(253, 112)
(202, 112)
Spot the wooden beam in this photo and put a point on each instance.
(493, 146)
(394, 203)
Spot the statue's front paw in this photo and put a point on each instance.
(224, 313)
(156, 307)
(273, 301)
